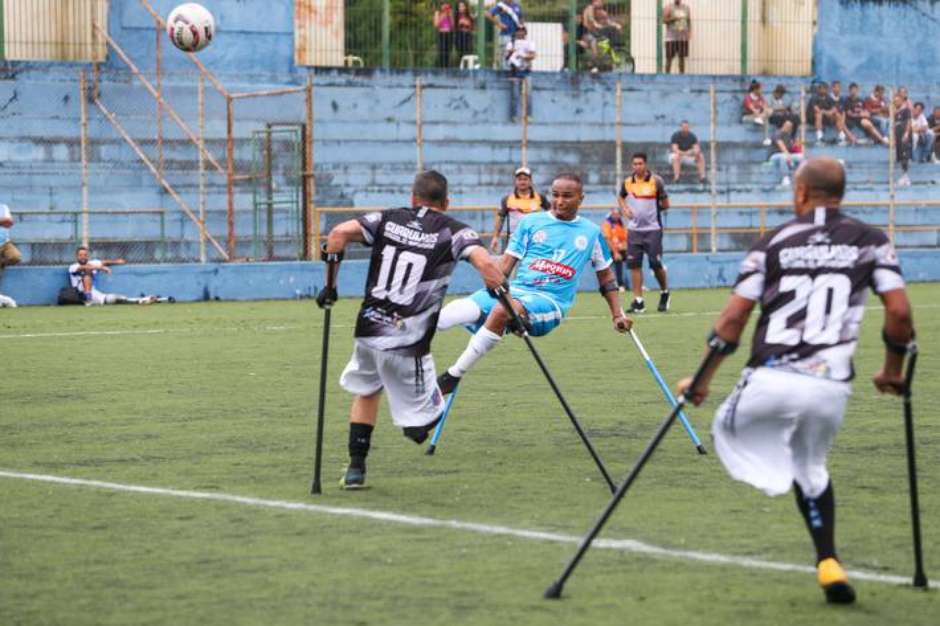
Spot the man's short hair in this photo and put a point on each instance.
(430, 186)
(920, 104)
(572, 177)
(683, 122)
(639, 155)
(853, 85)
(837, 82)
(80, 248)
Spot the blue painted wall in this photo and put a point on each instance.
(285, 281)
(883, 41)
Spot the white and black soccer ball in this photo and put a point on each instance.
(190, 27)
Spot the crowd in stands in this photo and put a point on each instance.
(856, 120)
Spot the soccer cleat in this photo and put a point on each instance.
(354, 478)
(834, 582)
(663, 302)
(637, 306)
(447, 382)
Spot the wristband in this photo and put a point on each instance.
(900, 349)
(721, 346)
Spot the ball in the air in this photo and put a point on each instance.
(190, 27)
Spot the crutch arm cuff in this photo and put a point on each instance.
(720, 345)
(330, 257)
(897, 347)
(609, 286)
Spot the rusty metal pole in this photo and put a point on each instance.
(201, 96)
(524, 89)
(160, 161)
(83, 107)
(892, 157)
(311, 217)
(230, 173)
(713, 157)
(419, 123)
(619, 134)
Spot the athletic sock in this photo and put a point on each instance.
(820, 516)
(360, 436)
(482, 342)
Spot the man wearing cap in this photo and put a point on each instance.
(523, 200)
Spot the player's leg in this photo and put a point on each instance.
(670, 53)
(360, 378)
(7, 301)
(483, 340)
(655, 251)
(466, 312)
(676, 161)
(824, 403)
(699, 163)
(635, 249)
(683, 53)
(414, 399)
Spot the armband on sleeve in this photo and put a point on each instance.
(898, 348)
(610, 285)
(723, 347)
(330, 257)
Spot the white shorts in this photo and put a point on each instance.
(776, 427)
(99, 298)
(686, 159)
(413, 396)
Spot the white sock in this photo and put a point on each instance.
(482, 342)
(459, 312)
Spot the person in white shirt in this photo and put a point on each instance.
(520, 53)
(83, 276)
(9, 254)
(923, 138)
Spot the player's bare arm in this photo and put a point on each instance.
(110, 262)
(608, 288)
(342, 235)
(729, 328)
(624, 208)
(898, 333)
(497, 227)
(507, 263)
(492, 275)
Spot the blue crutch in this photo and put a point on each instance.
(440, 425)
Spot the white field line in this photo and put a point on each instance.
(622, 545)
(153, 331)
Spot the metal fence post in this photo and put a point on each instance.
(744, 36)
(386, 34)
(803, 118)
(572, 36)
(713, 157)
(83, 107)
(618, 122)
(419, 123)
(311, 230)
(481, 33)
(161, 165)
(659, 37)
(201, 97)
(892, 157)
(524, 92)
(230, 174)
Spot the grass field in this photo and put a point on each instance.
(219, 399)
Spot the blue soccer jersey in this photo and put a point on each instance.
(552, 254)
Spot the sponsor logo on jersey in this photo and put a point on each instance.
(580, 242)
(554, 268)
(818, 239)
(812, 257)
(403, 234)
(540, 236)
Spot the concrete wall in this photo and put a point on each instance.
(285, 281)
(886, 41)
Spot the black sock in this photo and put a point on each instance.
(360, 436)
(820, 516)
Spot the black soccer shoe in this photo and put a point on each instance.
(354, 478)
(663, 302)
(420, 434)
(637, 306)
(447, 383)
(839, 593)
(834, 582)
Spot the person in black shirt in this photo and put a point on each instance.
(811, 277)
(686, 149)
(903, 136)
(414, 252)
(824, 108)
(857, 116)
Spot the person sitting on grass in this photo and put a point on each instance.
(83, 278)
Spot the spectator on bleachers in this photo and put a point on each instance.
(520, 53)
(877, 108)
(922, 137)
(754, 108)
(582, 45)
(781, 108)
(616, 235)
(685, 149)
(933, 122)
(786, 153)
(9, 254)
(903, 135)
(823, 108)
(465, 26)
(858, 117)
(507, 18)
(444, 23)
(678, 20)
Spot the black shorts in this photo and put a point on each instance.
(648, 242)
(677, 48)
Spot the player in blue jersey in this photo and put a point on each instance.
(551, 249)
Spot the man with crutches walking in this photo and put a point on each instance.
(811, 277)
(414, 252)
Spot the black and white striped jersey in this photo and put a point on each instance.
(811, 277)
(414, 252)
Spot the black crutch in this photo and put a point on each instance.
(326, 303)
(504, 298)
(920, 578)
(716, 346)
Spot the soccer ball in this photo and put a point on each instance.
(190, 27)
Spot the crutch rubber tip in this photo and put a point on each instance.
(920, 580)
(315, 488)
(701, 449)
(553, 592)
(430, 451)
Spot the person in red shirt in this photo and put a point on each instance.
(754, 108)
(877, 108)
